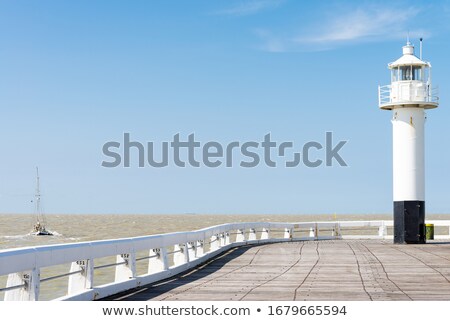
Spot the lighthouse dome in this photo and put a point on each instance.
(408, 58)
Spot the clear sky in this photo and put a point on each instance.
(76, 74)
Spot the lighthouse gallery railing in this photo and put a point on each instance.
(385, 96)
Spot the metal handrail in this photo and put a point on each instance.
(146, 257)
(60, 276)
(109, 265)
(173, 252)
(15, 287)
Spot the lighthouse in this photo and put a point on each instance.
(408, 97)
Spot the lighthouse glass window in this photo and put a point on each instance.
(410, 73)
(417, 73)
(394, 76)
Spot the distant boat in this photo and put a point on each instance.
(39, 227)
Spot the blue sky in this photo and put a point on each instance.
(76, 74)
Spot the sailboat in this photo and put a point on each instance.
(39, 227)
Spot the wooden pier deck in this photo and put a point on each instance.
(313, 270)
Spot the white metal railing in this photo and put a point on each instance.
(433, 95)
(185, 250)
(385, 96)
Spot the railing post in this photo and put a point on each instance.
(288, 233)
(29, 291)
(240, 235)
(199, 250)
(127, 270)
(379, 95)
(252, 234)
(84, 279)
(314, 231)
(338, 230)
(191, 250)
(265, 234)
(158, 260)
(227, 238)
(214, 242)
(181, 254)
(382, 230)
(222, 239)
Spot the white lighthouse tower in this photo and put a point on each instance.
(408, 96)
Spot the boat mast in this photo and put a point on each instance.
(38, 199)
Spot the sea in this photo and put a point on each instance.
(15, 233)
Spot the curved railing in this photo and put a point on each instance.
(166, 255)
(385, 96)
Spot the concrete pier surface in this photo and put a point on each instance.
(312, 270)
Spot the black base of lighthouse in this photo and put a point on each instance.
(409, 222)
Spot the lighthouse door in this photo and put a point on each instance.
(405, 92)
